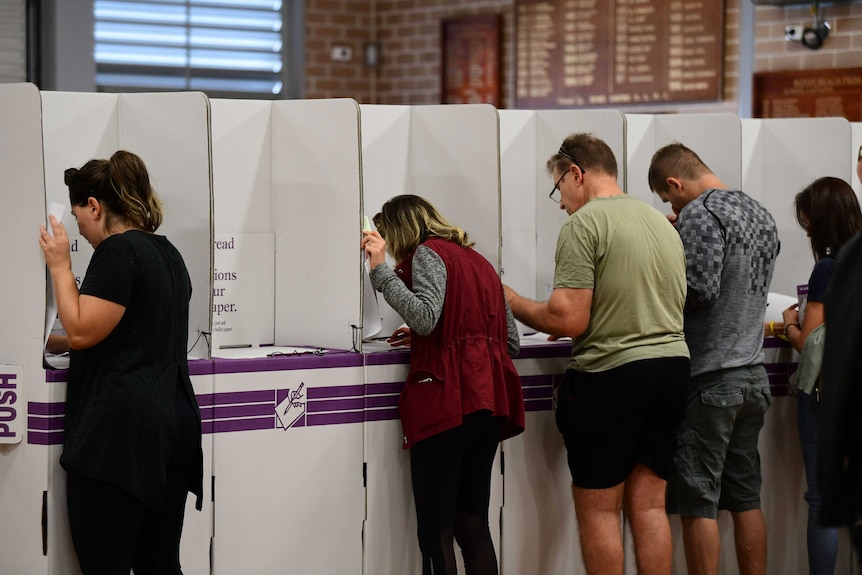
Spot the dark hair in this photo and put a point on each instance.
(674, 161)
(829, 211)
(588, 152)
(406, 221)
(122, 187)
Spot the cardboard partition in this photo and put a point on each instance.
(23, 464)
(170, 132)
(386, 173)
(540, 533)
(552, 127)
(391, 544)
(715, 138)
(449, 155)
(785, 156)
(317, 211)
(518, 195)
(243, 199)
(288, 465)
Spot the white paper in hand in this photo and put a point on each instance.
(56, 210)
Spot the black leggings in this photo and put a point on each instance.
(114, 532)
(451, 488)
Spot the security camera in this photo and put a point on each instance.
(811, 37)
(793, 33)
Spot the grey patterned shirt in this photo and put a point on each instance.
(422, 307)
(731, 243)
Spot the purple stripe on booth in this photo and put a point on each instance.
(50, 408)
(56, 375)
(250, 424)
(287, 362)
(381, 414)
(336, 391)
(383, 388)
(200, 367)
(335, 405)
(206, 399)
(381, 401)
(538, 405)
(46, 423)
(335, 418)
(45, 438)
(196, 367)
(552, 349)
(538, 392)
(234, 411)
(537, 380)
(233, 397)
(207, 427)
(399, 357)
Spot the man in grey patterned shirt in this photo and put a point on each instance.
(731, 243)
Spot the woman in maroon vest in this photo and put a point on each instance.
(462, 395)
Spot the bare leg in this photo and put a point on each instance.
(702, 545)
(645, 508)
(749, 532)
(598, 513)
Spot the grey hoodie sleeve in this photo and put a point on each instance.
(422, 307)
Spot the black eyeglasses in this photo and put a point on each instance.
(556, 187)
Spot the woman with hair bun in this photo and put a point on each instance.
(132, 442)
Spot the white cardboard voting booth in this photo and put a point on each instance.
(287, 422)
(781, 157)
(448, 155)
(23, 465)
(303, 448)
(170, 132)
(539, 527)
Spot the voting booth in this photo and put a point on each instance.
(780, 158)
(448, 155)
(539, 527)
(23, 464)
(302, 439)
(287, 413)
(170, 132)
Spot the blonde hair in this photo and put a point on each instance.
(406, 221)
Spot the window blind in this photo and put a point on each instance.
(13, 41)
(221, 47)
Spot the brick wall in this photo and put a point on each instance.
(408, 32)
(842, 48)
(336, 23)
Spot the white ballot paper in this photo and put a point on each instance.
(56, 210)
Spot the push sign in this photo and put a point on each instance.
(12, 404)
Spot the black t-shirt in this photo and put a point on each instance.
(120, 400)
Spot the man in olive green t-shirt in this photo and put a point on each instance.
(619, 292)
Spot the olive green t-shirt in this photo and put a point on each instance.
(632, 258)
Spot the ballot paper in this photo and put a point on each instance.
(56, 210)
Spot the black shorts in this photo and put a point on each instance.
(612, 420)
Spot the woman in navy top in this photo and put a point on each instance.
(829, 212)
